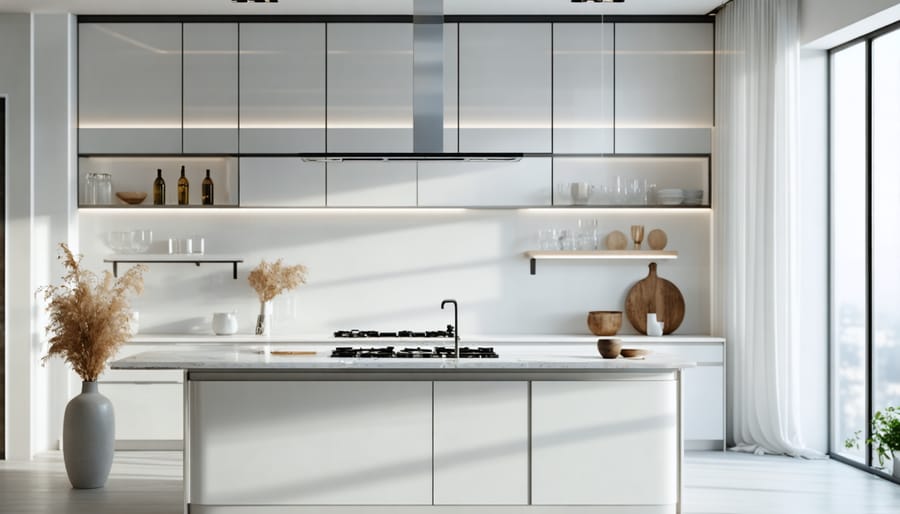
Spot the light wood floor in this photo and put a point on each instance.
(714, 482)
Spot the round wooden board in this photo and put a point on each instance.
(654, 294)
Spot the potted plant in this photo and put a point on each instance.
(885, 437)
(89, 318)
(270, 280)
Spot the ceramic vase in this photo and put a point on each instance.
(88, 438)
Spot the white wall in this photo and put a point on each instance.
(54, 203)
(390, 269)
(828, 23)
(812, 243)
(21, 356)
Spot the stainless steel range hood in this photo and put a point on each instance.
(428, 97)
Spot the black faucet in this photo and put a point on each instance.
(455, 324)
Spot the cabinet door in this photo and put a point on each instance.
(311, 443)
(664, 87)
(146, 411)
(282, 87)
(704, 397)
(210, 88)
(451, 97)
(612, 442)
(282, 182)
(583, 87)
(480, 443)
(370, 87)
(371, 184)
(504, 87)
(485, 184)
(129, 87)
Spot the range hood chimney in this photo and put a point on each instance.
(428, 76)
(428, 98)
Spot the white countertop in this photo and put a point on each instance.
(465, 340)
(244, 358)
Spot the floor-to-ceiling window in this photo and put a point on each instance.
(865, 235)
(2, 278)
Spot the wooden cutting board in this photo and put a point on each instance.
(654, 294)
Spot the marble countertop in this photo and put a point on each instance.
(248, 358)
(465, 339)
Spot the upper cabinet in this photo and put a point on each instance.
(505, 87)
(663, 87)
(129, 88)
(370, 87)
(210, 88)
(583, 73)
(282, 87)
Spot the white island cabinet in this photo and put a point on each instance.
(516, 434)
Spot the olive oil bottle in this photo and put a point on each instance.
(206, 191)
(184, 189)
(159, 189)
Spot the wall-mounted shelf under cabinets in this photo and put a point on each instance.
(535, 255)
(187, 258)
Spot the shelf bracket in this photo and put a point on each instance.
(533, 265)
(234, 274)
(115, 269)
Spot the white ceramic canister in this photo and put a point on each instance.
(224, 323)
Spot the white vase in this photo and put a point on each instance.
(264, 320)
(654, 327)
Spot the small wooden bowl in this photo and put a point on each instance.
(609, 347)
(131, 197)
(632, 353)
(604, 323)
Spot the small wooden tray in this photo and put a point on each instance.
(292, 352)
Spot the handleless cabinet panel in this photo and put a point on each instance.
(311, 443)
(282, 87)
(370, 87)
(282, 182)
(583, 87)
(485, 184)
(608, 442)
(451, 91)
(480, 443)
(664, 87)
(129, 87)
(504, 87)
(704, 405)
(146, 412)
(210, 87)
(371, 184)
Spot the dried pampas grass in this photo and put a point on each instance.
(89, 315)
(271, 279)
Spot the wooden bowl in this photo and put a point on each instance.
(604, 323)
(131, 197)
(609, 347)
(632, 353)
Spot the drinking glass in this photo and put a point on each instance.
(548, 239)
(567, 240)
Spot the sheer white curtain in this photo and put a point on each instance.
(755, 148)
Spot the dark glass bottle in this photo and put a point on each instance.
(183, 189)
(206, 191)
(159, 189)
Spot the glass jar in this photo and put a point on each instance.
(99, 189)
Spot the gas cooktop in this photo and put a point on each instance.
(437, 352)
(355, 333)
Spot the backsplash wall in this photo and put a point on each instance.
(389, 269)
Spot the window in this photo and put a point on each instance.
(865, 235)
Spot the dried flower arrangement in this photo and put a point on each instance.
(271, 279)
(89, 315)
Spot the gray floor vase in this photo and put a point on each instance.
(88, 438)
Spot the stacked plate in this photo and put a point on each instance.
(670, 196)
(693, 196)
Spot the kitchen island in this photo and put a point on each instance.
(519, 433)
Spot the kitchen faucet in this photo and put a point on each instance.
(455, 324)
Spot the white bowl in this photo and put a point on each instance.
(670, 201)
(670, 192)
(120, 242)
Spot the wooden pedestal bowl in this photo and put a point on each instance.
(604, 323)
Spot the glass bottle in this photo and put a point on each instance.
(206, 191)
(159, 189)
(99, 190)
(183, 189)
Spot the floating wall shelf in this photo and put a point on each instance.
(143, 258)
(535, 255)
